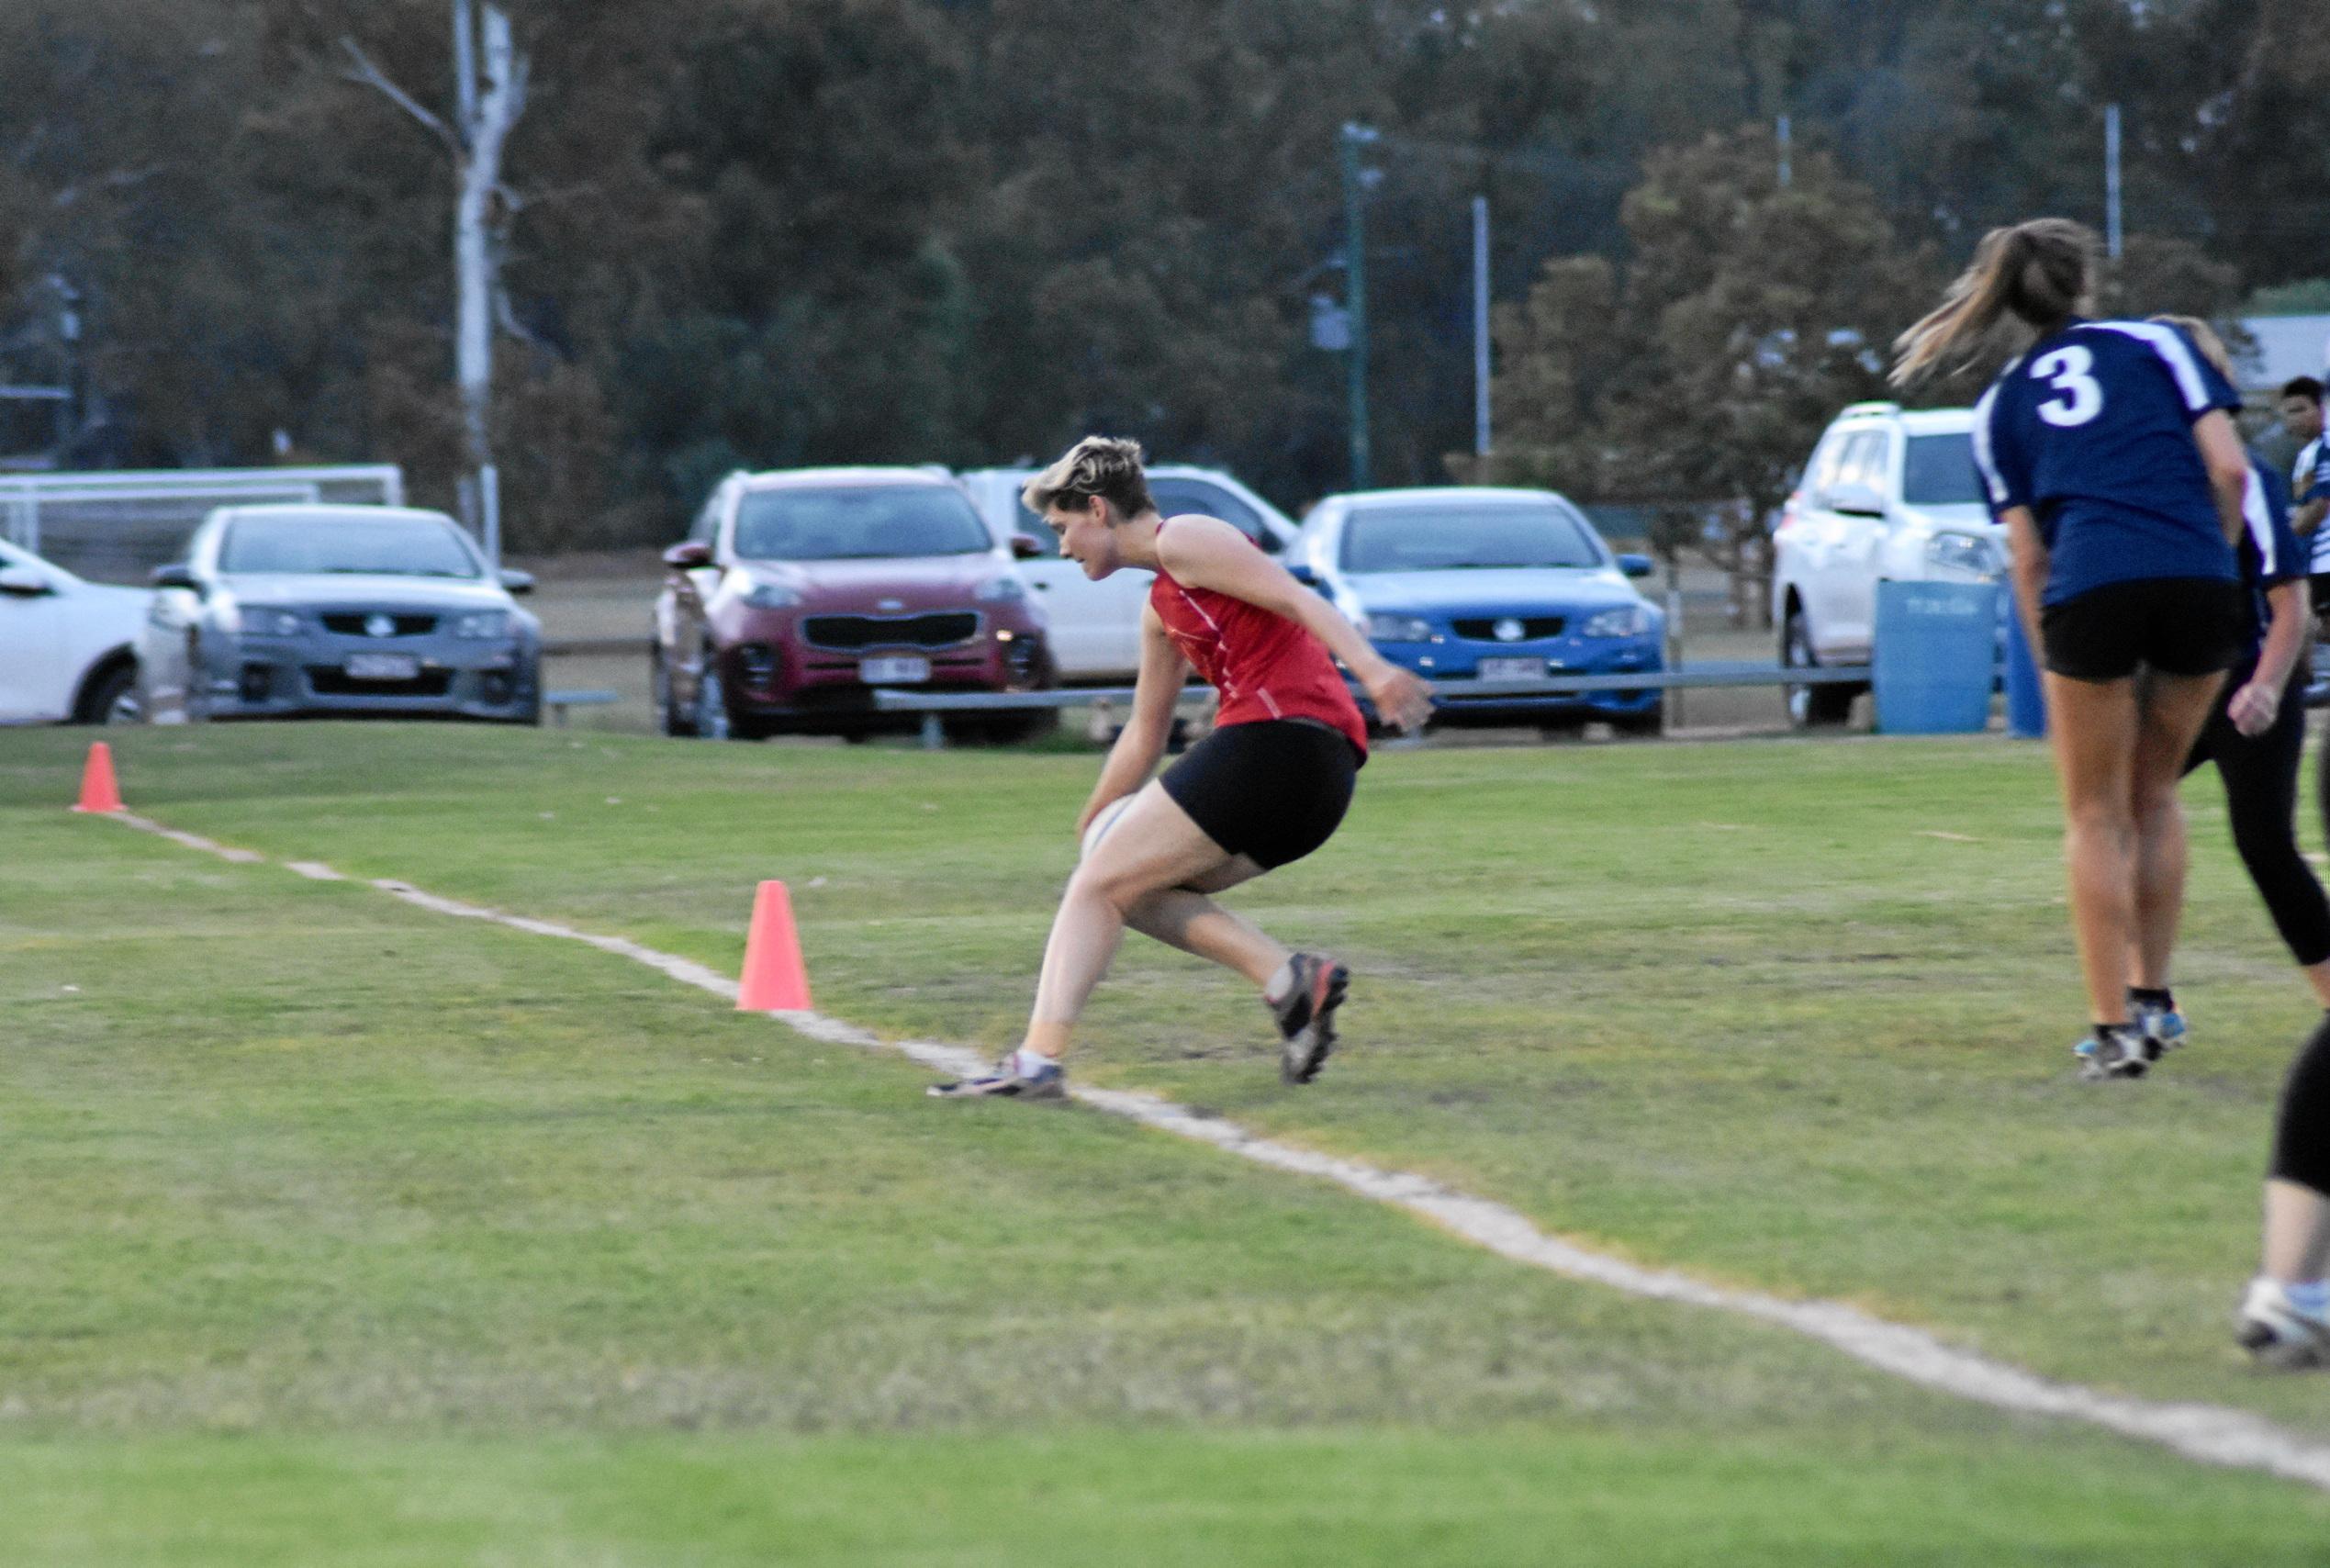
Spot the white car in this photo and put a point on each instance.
(1889, 494)
(1096, 626)
(67, 647)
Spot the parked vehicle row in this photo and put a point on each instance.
(798, 595)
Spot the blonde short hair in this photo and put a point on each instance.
(1097, 465)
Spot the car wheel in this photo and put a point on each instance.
(115, 700)
(1651, 720)
(669, 720)
(712, 701)
(1810, 707)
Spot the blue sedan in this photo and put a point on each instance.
(1476, 584)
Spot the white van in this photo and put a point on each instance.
(1096, 626)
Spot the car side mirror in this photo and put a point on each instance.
(1025, 548)
(23, 582)
(1635, 565)
(518, 582)
(1302, 572)
(687, 556)
(176, 576)
(1855, 499)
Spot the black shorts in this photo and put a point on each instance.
(1272, 791)
(2175, 625)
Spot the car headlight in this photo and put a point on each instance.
(995, 590)
(1961, 553)
(482, 625)
(1398, 629)
(762, 594)
(1619, 620)
(268, 624)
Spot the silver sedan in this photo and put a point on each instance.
(290, 610)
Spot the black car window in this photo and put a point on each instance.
(1427, 538)
(1938, 471)
(347, 542)
(1174, 497)
(856, 522)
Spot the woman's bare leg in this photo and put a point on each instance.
(2172, 711)
(2093, 725)
(1154, 848)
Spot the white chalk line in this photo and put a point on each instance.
(2208, 1433)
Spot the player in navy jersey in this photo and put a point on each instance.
(2110, 458)
(2256, 735)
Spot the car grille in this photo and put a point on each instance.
(939, 629)
(350, 624)
(328, 680)
(1483, 629)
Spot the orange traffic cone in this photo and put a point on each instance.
(775, 980)
(97, 790)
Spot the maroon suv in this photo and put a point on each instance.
(797, 593)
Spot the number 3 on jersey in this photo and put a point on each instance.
(2067, 370)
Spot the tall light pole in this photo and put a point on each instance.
(2112, 180)
(1480, 327)
(1354, 138)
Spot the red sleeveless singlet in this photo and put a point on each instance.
(1265, 666)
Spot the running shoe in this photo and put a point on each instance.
(2162, 1028)
(1306, 1016)
(2123, 1052)
(2272, 1329)
(1013, 1078)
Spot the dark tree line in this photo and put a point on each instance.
(770, 232)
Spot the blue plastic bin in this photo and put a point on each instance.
(2026, 698)
(1936, 651)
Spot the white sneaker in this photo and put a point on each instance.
(2272, 1329)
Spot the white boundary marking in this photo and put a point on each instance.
(2209, 1433)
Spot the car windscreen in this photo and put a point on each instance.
(1428, 538)
(856, 522)
(1938, 471)
(342, 542)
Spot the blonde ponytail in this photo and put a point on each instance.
(2037, 272)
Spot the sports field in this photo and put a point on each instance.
(336, 1231)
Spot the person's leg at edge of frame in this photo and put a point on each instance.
(2284, 1319)
(2172, 711)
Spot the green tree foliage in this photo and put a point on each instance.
(783, 232)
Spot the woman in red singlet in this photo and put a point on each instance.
(1267, 786)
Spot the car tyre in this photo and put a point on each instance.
(1810, 707)
(669, 720)
(710, 720)
(115, 698)
(1651, 720)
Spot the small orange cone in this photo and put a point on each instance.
(775, 980)
(97, 790)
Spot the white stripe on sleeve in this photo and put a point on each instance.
(2169, 344)
(1982, 458)
(2260, 521)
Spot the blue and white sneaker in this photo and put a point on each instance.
(1021, 1075)
(2123, 1052)
(2277, 1331)
(2162, 1028)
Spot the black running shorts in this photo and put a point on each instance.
(1272, 791)
(2175, 625)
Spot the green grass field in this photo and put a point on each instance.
(335, 1231)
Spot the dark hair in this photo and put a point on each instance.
(1097, 465)
(2037, 272)
(2302, 386)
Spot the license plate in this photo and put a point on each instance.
(382, 666)
(1512, 669)
(902, 669)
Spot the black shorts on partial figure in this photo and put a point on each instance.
(2175, 625)
(1272, 791)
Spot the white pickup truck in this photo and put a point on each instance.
(66, 647)
(1096, 626)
